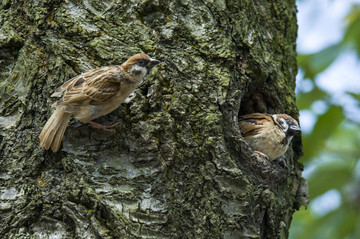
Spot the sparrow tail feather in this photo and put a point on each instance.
(54, 129)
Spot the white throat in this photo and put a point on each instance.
(138, 72)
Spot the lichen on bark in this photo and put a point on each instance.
(177, 166)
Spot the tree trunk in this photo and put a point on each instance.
(177, 166)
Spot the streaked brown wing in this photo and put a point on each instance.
(93, 87)
(251, 124)
(60, 90)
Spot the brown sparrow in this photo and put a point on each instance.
(268, 135)
(93, 94)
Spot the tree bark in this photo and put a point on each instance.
(177, 166)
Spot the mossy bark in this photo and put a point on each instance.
(177, 166)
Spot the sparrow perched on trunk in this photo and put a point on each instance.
(268, 134)
(93, 94)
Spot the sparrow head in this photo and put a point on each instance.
(139, 65)
(287, 124)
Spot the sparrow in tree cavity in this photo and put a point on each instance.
(93, 94)
(269, 135)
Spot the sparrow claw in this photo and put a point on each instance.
(262, 155)
(282, 162)
(103, 127)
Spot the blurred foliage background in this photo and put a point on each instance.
(332, 141)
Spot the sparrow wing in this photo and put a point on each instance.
(251, 124)
(93, 87)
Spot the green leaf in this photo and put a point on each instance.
(324, 128)
(352, 33)
(305, 100)
(345, 141)
(340, 223)
(356, 96)
(313, 64)
(348, 223)
(331, 175)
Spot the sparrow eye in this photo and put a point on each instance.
(142, 62)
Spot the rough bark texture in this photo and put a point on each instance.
(177, 166)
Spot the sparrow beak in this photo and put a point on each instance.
(295, 128)
(152, 63)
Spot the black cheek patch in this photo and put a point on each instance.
(136, 72)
